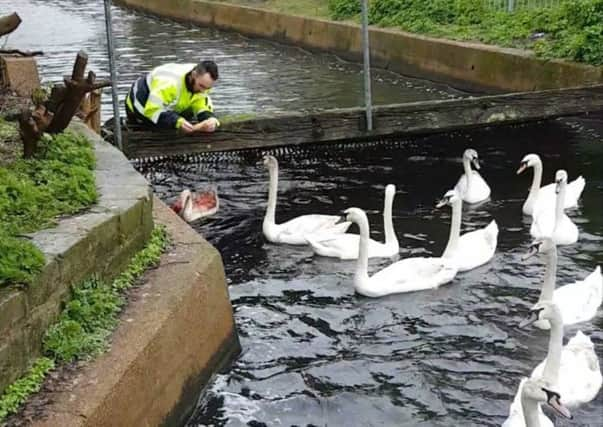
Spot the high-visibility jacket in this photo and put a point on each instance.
(162, 97)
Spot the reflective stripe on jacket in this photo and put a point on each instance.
(162, 97)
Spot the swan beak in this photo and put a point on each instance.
(522, 167)
(558, 406)
(443, 202)
(531, 252)
(476, 164)
(557, 187)
(529, 320)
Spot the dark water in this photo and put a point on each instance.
(256, 76)
(315, 353)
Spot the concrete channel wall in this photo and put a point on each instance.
(100, 241)
(469, 66)
(177, 331)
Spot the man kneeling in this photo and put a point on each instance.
(173, 95)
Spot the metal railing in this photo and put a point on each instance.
(512, 5)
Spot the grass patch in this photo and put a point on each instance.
(85, 324)
(572, 29)
(92, 314)
(18, 392)
(313, 8)
(59, 180)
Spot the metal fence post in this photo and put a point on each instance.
(367, 66)
(116, 119)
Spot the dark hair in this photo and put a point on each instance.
(207, 67)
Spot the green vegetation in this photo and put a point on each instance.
(314, 8)
(18, 392)
(91, 315)
(59, 180)
(85, 324)
(572, 30)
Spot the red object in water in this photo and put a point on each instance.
(192, 206)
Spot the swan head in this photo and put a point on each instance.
(544, 310)
(390, 191)
(471, 155)
(450, 198)
(355, 215)
(270, 161)
(529, 161)
(536, 391)
(560, 179)
(542, 245)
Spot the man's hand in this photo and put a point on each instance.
(187, 127)
(208, 125)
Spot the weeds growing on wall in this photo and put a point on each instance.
(85, 324)
(59, 180)
(571, 30)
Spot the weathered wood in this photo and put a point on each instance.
(31, 127)
(389, 120)
(9, 23)
(89, 110)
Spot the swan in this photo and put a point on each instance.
(545, 196)
(471, 186)
(525, 410)
(578, 301)
(471, 249)
(407, 275)
(572, 370)
(555, 224)
(345, 246)
(192, 206)
(295, 230)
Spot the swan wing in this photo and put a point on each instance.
(580, 300)
(313, 224)
(345, 246)
(546, 195)
(411, 274)
(476, 247)
(478, 191)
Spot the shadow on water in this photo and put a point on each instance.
(314, 353)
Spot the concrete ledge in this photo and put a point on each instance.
(470, 66)
(98, 242)
(177, 331)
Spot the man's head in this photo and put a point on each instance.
(203, 76)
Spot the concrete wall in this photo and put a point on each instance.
(100, 241)
(465, 65)
(178, 332)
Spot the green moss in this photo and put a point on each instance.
(59, 180)
(85, 324)
(232, 118)
(91, 315)
(18, 392)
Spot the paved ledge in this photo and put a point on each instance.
(99, 242)
(471, 66)
(177, 331)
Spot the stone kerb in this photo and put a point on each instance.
(98, 242)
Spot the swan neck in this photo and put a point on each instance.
(361, 276)
(553, 357)
(455, 229)
(272, 193)
(468, 173)
(536, 181)
(388, 223)
(559, 203)
(550, 273)
(530, 412)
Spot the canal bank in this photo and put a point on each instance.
(470, 66)
(175, 333)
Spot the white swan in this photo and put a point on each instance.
(346, 246)
(407, 275)
(525, 410)
(471, 249)
(545, 196)
(555, 224)
(572, 370)
(294, 231)
(471, 186)
(578, 301)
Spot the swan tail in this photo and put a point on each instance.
(492, 233)
(576, 187)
